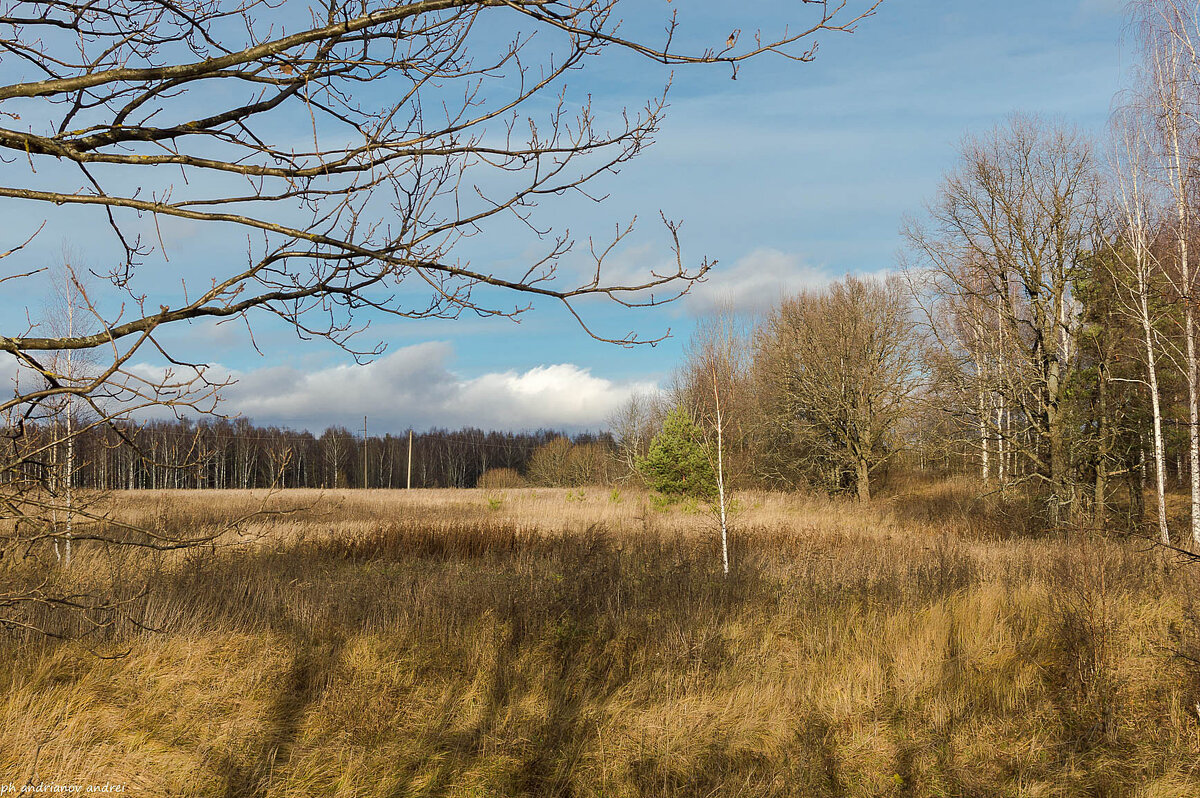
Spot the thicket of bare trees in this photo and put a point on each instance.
(1046, 343)
(835, 369)
(812, 395)
(996, 269)
(562, 462)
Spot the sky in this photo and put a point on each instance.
(789, 177)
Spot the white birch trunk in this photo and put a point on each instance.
(1179, 189)
(69, 476)
(1160, 486)
(981, 388)
(1136, 204)
(721, 478)
(70, 464)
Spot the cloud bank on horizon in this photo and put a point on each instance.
(415, 386)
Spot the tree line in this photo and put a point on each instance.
(1040, 332)
(237, 454)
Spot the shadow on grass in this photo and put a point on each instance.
(566, 597)
(543, 629)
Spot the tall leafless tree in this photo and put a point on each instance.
(1170, 35)
(716, 369)
(713, 384)
(996, 262)
(353, 146)
(838, 367)
(1138, 271)
(633, 425)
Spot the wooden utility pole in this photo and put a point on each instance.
(365, 460)
(409, 485)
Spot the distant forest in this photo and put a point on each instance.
(237, 454)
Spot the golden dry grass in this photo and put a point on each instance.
(584, 643)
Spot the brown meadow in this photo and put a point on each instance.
(583, 643)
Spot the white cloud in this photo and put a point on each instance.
(562, 395)
(414, 386)
(8, 372)
(757, 281)
(754, 283)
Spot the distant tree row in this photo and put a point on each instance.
(237, 454)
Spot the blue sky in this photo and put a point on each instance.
(791, 175)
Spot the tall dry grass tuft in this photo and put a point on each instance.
(584, 643)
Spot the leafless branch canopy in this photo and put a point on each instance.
(353, 144)
(351, 148)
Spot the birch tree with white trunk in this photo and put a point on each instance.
(1170, 33)
(1002, 241)
(1135, 259)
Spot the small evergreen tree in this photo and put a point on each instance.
(677, 463)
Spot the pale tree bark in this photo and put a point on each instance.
(722, 505)
(713, 383)
(1179, 169)
(69, 412)
(1132, 253)
(1005, 234)
(1001, 405)
(1160, 469)
(69, 368)
(721, 345)
(1172, 71)
(1100, 487)
(984, 399)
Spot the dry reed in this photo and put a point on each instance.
(584, 643)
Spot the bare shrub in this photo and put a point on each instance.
(500, 478)
(561, 463)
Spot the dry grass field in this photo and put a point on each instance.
(584, 643)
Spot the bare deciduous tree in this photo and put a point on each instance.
(633, 425)
(1170, 34)
(354, 147)
(838, 367)
(1138, 270)
(996, 263)
(713, 383)
(716, 369)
